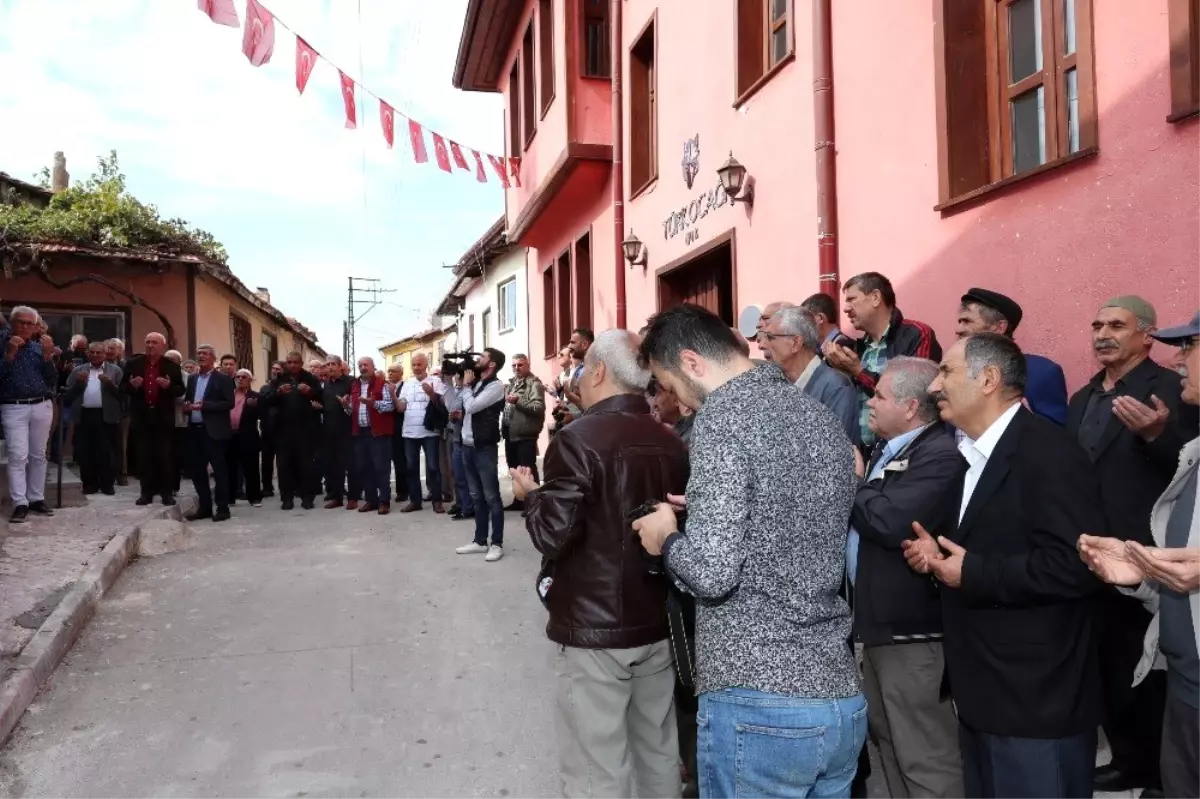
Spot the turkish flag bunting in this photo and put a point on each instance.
(456, 152)
(480, 172)
(387, 118)
(348, 100)
(514, 168)
(258, 38)
(441, 153)
(306, 59)
(221, 12)
(417, 137)
(499, 165)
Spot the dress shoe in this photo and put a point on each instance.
(1152, 793)
(515, 505)
(410, 508)
(40, 508)
(268, 493)
(308, 504)
(197, 515)
(168, 500)
(352, 505)
(19, 515)
(143, 500)
(122, 481)
(384, 510)
(366, 507)
(221, 515)
(108, 492)
(454, 509)
(287, 504)
(333, 503)
(91, 490)
(439, 507)
(460, 516)
(1111, 779)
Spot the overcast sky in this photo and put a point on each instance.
(300, 202)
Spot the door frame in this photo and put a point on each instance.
(727, 237)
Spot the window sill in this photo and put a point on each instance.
(764, 80)
(972, 197)
(605, 78)
(1187, 113)
(505, 330)
(646, 186)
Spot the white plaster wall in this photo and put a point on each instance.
(485, 295)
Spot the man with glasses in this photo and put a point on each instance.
(244, 447)
(27, 381)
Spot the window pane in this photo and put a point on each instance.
(61, 327)
(1028, 130)
(1024, 38)
(1073, 110)
(778, 9)
(1068, 27)
(98, 328)
(779, 44)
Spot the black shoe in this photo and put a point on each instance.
(308, 504)
(1111, 779)
(515, 506)
(168, 500)
(1152, 793)
(454, 510)
(197, 515)
(287, 504)
(108, 492)
(221, 515)
(268, 494)
(143, 500)
(460, 516)
(90, 490)
(19, 514)
(40, 508)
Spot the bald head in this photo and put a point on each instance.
(156, 345)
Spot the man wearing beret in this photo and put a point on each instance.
(986, 311)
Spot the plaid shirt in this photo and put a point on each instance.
(874, 359)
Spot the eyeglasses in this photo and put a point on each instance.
(773, 336)
(1188, 345)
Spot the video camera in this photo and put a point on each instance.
(454, 363)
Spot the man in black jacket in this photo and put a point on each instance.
(336, 443)
(151, 383)
(270, 428)
(1017, 601)
(246, 443)
(897, 615)
(1130, 421)
(209, 399)
(293, 394)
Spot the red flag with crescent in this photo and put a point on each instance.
(480, 172)
(456, 153)
(417, 137)
(387, 118)
(306, 59)
(441, 153)
(501, 169)
(348, 100)
(258, 38)
(221, 12)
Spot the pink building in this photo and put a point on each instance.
(1043, 148)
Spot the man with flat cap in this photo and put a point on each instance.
(986, 311)
(1129, 420)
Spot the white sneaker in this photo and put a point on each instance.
(494, 553)
(472, 549)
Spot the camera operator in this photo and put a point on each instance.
(483, 401)
(616, 703)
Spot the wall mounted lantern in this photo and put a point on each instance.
(635, 250)
(739, 187)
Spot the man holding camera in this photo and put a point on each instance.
(483, 401)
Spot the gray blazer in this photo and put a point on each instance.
(110, 392)
(834, 390)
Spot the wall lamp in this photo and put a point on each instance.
(635, 251)
(739, 187)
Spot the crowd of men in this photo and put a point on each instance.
(1015, 567)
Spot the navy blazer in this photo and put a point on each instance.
(218, 402)
(1046, 388)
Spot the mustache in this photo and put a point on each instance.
(1106, 344)
(940, 397)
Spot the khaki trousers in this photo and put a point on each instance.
(616, 722)
(915, 729)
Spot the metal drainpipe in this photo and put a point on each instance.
(827, 221)
(617, 67)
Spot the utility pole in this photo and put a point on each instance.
(363, 293)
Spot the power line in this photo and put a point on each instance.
(363, 293)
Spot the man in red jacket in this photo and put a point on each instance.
(370, 404)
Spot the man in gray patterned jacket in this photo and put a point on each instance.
(768, 502)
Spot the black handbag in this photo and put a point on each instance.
(436, 416)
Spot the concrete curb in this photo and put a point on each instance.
(46, 649)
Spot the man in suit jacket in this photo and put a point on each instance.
(789, 338)
(93, 393)
(985, 311)
(209, 400)
(292, 396)
(1130, 421)
(1016, 598)
(152, 382)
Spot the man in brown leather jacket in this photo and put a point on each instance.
(616, 677)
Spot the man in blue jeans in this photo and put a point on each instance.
(465, 507)
(768, 500)
(483, 403)
(416, 395)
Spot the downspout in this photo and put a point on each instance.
(828, 278)
(191, 309)
(617, 67)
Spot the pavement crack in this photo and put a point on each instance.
(202, 658)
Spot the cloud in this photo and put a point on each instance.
(300, 202)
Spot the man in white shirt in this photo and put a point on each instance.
(94, 397)
(416, 395)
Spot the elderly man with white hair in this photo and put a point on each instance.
(28, 378)
(153, 382)
(616, 681)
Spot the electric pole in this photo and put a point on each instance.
(363, 293)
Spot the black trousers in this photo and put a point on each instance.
(1001, 765)
(400, 464)
(268, 462)
(204, 451)
(338, 449)
(295, 457)
(180, 468)
(522, 453)
(154, 455)
(1181, 740)
(1133, 717)
(242, 457)
(93, 450)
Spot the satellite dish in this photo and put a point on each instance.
(748, 321)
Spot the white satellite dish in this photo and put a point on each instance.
(748, 321)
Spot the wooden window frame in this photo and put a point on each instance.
(755, 45)
(529, 115)
(514, 107)
(546, 54)
(564, 294)
(584, 18)
(271, 353)
(643, 175)
(581, 281)
(1183, 19)
(244, 353)
(568, 270)
(503, 323)
(993, 62)
(550, 310)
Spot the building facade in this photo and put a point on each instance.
(1043, 149)
(489, 297)
(432, 343)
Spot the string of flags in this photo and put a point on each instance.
(258, 45)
